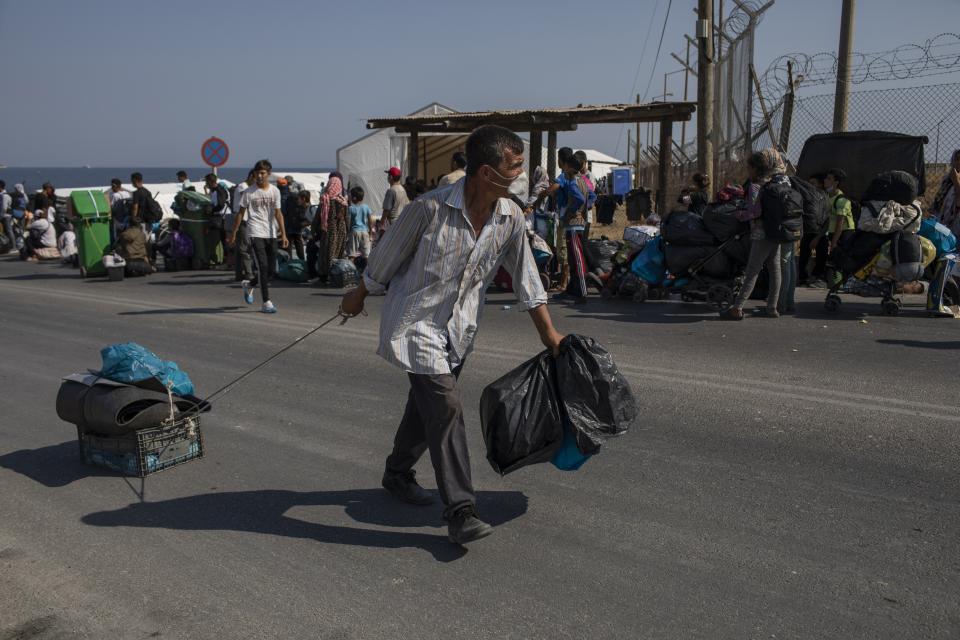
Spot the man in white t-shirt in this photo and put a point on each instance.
(260, 205)
(116, 193)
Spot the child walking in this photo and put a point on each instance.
(358, 245)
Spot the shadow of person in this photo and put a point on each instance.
(186, 310)
(265, 512)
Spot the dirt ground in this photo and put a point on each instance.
(612, 231)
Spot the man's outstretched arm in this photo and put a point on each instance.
(549, 336)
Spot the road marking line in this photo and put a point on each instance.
(637, 372)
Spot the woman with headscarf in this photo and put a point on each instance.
(946, 204)
(763, 167)
(330, 225)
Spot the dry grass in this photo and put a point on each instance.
(613, 231)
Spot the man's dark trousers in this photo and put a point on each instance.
(434, 419)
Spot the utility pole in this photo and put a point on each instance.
(636, 143)
(705, 132)
(841, 104)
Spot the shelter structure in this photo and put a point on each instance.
(438, 121)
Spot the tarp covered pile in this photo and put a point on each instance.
(690, 238)
(133, 390)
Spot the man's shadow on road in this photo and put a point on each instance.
(264, 511)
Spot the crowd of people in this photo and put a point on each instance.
(263, 220)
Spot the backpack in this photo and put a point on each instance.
(782, 208)
(816, 206)
(182, 245)
(153, 213)
(18, 202)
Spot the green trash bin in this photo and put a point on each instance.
(194, 211)
(91, 220)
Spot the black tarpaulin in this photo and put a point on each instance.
(862, 155)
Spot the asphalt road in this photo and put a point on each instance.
(794, 478)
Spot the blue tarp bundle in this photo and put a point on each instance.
(131, 363)
(649, 264)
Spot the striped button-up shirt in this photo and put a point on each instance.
(438, 271)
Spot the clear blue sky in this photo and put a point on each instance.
(109, 82)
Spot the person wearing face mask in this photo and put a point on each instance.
(841, 223)
(435, 263)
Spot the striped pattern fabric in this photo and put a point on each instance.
(438, 272)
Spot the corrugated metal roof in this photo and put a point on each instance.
(547, 112)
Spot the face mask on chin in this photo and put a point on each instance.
(508, 183)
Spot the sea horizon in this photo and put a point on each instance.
(71, 177)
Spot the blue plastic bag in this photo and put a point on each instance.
(568, 457)
(131, 363)
(940, 235)
(649, 265)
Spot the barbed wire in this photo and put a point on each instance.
(939, 55)
(739, 19)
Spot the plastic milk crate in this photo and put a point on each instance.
(145, 451)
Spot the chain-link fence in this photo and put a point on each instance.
(932, 111)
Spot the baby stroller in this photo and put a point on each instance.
(707, 254)
(889, 214)
(712, 276)
(542, 240)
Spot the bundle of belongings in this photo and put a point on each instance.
(559, 409)
(134, 390)
(943, 296)
(887, 235)
(716, 242)
(622, 280)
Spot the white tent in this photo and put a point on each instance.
(364, 162)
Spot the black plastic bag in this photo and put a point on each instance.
(898, 186)
(520, 416)
(600, 254)
(594, 395)
(720, 219)
(685, 228)
(681, 259)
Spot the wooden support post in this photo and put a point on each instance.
(536, 153)
(413, 155)
(774, 139)
(425, 157)
(786, 120)
(663, 176)
(552, 154)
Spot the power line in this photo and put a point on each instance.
(636, 76)
(656, 58)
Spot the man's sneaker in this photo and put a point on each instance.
(404, 487)
(247, 291)
(466, 527)
(268, 307)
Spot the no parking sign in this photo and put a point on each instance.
(214, 152)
